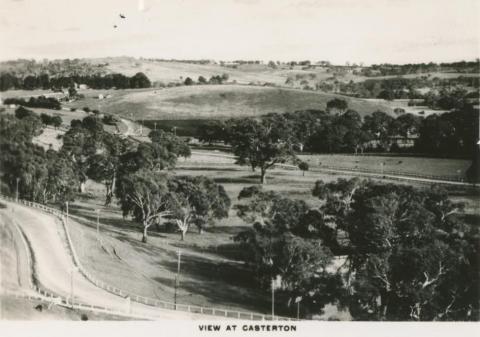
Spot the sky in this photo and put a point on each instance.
(368, 31)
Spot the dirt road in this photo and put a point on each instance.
(55, 269)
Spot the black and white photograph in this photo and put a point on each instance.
(239, 166)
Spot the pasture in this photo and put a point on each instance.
(435, 167)
(213, 101)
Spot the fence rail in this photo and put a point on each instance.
(317, 168)
(219, 312)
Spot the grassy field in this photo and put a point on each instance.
(177, 71)
(66, 115)
(214, 101)
(448, 168)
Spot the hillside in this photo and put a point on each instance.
(215, 101)
(175, 71)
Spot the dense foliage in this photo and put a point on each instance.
(37, 175)
(407, 254)
(341, 130)
(35, 102)
(10, 81)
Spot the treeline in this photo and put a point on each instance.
(340, 130)
(137, 174)
(407, 88)
(418, 68)
(35, 102)
(9, 81)
(214, 79)
(66, 67)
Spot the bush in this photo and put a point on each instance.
(56, 121)
(303, 166)
(86, 109)
(21, 112)
(46, 119)
(110, 120)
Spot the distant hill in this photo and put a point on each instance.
(216, 101)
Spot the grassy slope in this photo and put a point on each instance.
(210, 276)
(215, 101)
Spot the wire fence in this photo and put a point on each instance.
(390, 174)
(212, 311)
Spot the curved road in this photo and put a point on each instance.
(54, 266)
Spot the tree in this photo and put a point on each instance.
(354, 138)
(272, 64)
(199, 200)
(95, 152)
(103, 166)
(380, 126)
(145, 195)
(202, 80)
(46, 119)
(72, 92)
(213, 131)
(303, 166)
(305, 124)
(188, 81)
(170, 142)
(56, 121)
(337, 104)
(262, 143)
(407, 124)
(139, 80)
(409, 254)
(276, 251)
(63, 182)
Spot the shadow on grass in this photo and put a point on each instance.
(232, 230)
(221, 283)
(239, 180)
(208, 168)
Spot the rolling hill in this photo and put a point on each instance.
(215, 101)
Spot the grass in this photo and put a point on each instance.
(207, 279)
(19, 309)
(177, 71)
(49, 137)
(214, 101)
(449, 168)
(14, 270)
